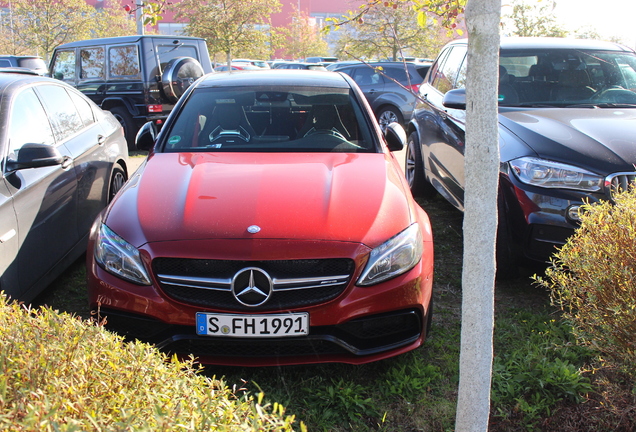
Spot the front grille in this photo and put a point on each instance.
(295, 283)
(619, 182)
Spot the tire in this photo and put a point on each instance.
(126, 121)
(414, 169)
(178, 75)
(387, 115)
(117, 180)
(505, 255)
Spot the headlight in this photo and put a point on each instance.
(117, 256)
(393, 257)
(543, 173)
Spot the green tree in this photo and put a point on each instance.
(230, 26)
(534, 19)
(38, 26)
(112, 20)
(390, 33)
(302, 38)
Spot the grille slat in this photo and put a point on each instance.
(296, 283)
(620, 182)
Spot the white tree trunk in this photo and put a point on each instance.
(480, 215)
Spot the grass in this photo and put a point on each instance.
(536, 378)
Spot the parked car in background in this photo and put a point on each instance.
(236, 66)
(567, 128)
(258, 63)
(62, 159)
(321, 60)
(269, 225)
(390, 87)
(34, 63)
(299, 65)
(137, 78)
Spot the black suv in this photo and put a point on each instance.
(390, 101)
(34, 63)
(137, 78)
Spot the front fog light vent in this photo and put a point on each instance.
(574, 213)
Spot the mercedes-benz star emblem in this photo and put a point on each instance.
(252, 286)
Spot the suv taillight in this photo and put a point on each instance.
(155, 108)
(414, 88)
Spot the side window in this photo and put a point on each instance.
(92, 63)
(29, 124)
(436, 65)
(63, 114)
(446, 75)
(367, 75)
(398, 74)
(124, 62)
(83, 108)
(5, 63)
(64, 65)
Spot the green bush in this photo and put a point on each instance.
(593, 279)
(63, 374)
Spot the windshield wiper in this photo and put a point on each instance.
(602, 105)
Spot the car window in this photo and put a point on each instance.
(567, 77)
(397, 73)
(29, 123)
(169, 52)
(92, 63)
(367, 75)
(124, 62)
(446, 74)
(64, 65)
(303, 119)
(62, 112)
(5, 63)
(83, 108)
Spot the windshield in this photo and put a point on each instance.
(282, 119)
(567, 78)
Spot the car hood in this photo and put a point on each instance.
(600, 140)
(310, 196)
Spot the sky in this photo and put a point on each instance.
(608, 17)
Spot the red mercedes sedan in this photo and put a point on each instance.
(269, 225)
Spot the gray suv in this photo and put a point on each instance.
(137, 78)
(390, 87)
(34, 63)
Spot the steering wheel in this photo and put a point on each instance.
(331, 132)
(615, 94)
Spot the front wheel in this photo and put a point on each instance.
(414, 169)
(117, 180)
(388, 115)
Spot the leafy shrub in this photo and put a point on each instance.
(62, 374)
(593, 279)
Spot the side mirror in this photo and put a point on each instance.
(455, 99)
(58, 75)
(395, 136)
(35, 156)
(146, 137)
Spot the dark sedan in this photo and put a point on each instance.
(62, 160)
(567, 127)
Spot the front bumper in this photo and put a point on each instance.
(361, 325)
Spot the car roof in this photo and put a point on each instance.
(20, 56)
(275, 77)
(553, 43)
(123, 39)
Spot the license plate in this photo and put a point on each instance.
(259, 326)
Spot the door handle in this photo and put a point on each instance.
(101, 139)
